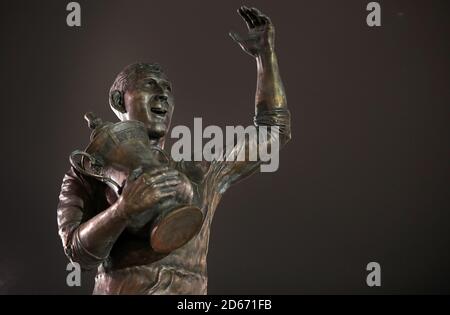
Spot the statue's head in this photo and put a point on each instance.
(142, 92)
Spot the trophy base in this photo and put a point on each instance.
(175, 229)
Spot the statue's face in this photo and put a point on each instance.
(149, 99)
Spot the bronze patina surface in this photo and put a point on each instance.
(123, 152)
(105, 224)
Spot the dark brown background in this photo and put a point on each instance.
(365, 178)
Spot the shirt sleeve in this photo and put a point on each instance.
(76, 205)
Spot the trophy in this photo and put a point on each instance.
(118, 151)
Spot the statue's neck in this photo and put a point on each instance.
(158, 142)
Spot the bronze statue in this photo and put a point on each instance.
(123, 151)
(144, 220)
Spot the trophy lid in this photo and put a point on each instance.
(95, 123)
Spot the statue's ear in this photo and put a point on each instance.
(117, 101)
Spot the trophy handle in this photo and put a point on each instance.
(93, 162)
(163, 153)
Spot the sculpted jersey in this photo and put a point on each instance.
(132, 267)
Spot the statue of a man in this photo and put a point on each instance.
(93, 221)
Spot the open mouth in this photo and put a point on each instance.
(158, 111)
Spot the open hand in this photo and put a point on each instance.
(261, 32)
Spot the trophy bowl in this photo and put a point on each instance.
(120, 150)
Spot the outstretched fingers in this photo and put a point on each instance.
(262, 18)
(253, 17)
(244, 13)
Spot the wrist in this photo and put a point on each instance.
(266, 59)
(265, 54)
(119, 210)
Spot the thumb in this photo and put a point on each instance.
(234, 36)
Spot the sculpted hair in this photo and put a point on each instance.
(129, 74)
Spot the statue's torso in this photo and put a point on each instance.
(134, 268)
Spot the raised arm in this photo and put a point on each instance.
(270, 104)
(270, 99)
